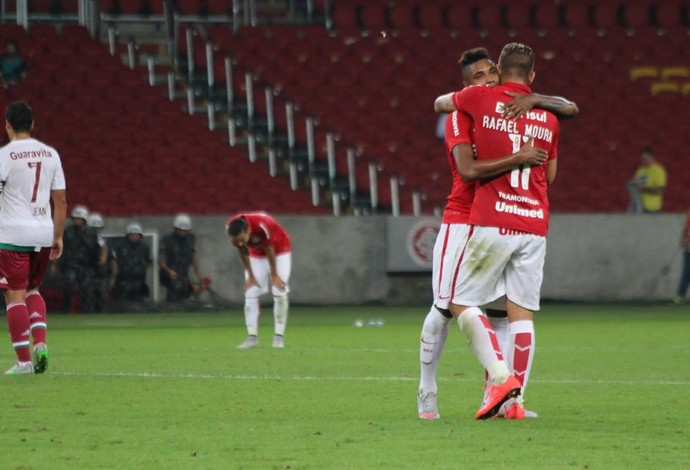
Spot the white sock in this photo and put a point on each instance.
(433, 337)
(251, 315)
(280, 313)
(522, 342)
(482, 340)
(500, 326)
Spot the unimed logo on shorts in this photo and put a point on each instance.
(420, 242)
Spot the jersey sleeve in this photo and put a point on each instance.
(553, 152)
(458, 129)
(58, 182)
(463, 100)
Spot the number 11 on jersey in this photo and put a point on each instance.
(519, 177)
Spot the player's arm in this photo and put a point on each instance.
(521, 103)
(471, 169)
(162, 263)
(244, 257)
(551, 171)
(59, 198)
(444, 103)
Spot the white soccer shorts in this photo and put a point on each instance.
(494, 264)
(262, 273)
(450, 241)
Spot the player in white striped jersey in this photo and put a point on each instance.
(30, 233)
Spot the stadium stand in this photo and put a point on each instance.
(377, 90)
(370, 79)
(127, 150)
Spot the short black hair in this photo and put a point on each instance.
(237, 226)
(516, 59)
(470, 56)
(648, 149)
(20, 116)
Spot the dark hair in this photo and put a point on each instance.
(516, 59)
(471, 56)
(237, 226)
(19, 115)
(648, 149)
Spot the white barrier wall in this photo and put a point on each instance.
(341, 260)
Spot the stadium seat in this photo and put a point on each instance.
(685, 89)
(664, 87)
(670, 73)
(548, 16)
(644, 72)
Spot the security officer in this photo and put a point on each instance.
(177, 253)
(107, 268)
(133, 258)
(79, 261)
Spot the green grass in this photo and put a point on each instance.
(610, 383)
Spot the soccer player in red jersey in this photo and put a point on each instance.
(504, 254)
(265, 251)
(30, 233)
(477, 69)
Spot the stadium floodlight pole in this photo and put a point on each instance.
(311, 152)
(314, 191)
(229, 89)
(395, 196)
(210, 77)
(211, 114)
(171, 86)
(270, 121)
(290, 119)
(190, 100)
(335, 195)
(232, 131)
(189, 40)
(373, 186)
(131, 54)
(251, 145)
(151, 68)
(249, 88)
(351, 175)
(82, 11)
(112, 34)
(293, 176)
(330, 154)
(416, 203)
(272, 163)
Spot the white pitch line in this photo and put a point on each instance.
(307, 378)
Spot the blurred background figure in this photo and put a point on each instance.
(107, 267)
(12, 66)
(647, 186)
(133, 258)
(177, 255)
(79, 262)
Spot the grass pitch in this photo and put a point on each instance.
(610, 384)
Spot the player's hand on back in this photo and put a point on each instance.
(531, 155)
(518, 106)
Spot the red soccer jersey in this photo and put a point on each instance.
(458, 131)
(516, 200)
(264, 231)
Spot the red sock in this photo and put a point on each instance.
(18, 322)
(37, 316)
